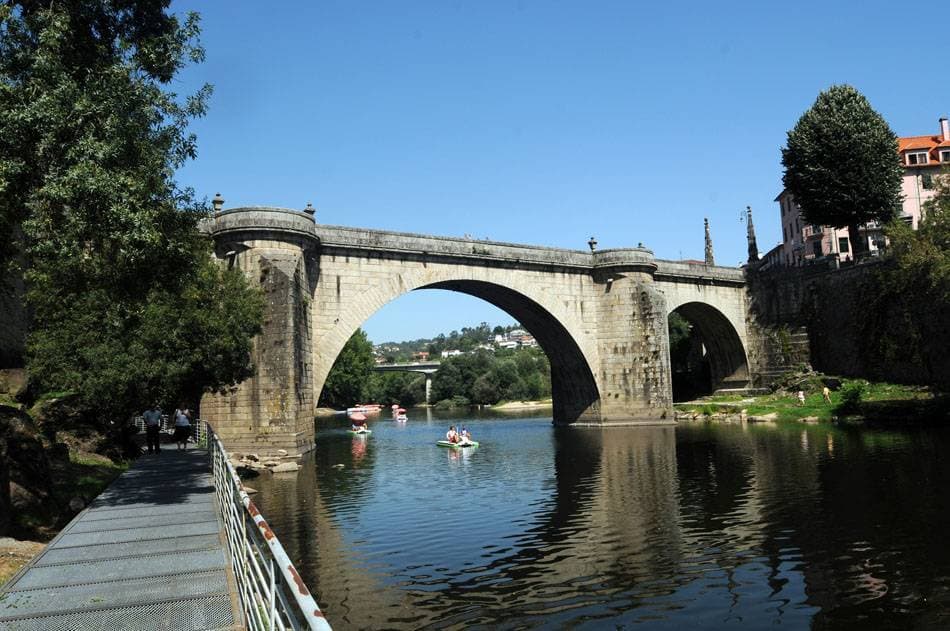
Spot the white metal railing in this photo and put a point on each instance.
(272, 594)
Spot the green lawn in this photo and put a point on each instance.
(879, 399)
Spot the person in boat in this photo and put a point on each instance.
(466, 435)
(358, 423)
(452, 436)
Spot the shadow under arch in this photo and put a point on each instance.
(726, 356)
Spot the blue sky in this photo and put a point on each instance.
(539, 122)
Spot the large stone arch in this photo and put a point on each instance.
(571, 351)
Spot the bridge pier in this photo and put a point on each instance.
(274, 409)
(428, 389)
(635, 383)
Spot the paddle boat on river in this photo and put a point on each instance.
(358, 424)
(457, 440)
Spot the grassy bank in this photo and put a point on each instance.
(883, 402)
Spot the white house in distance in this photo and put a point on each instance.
(922, 157)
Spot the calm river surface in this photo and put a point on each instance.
(698, 526)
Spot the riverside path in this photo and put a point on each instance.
(149, 553)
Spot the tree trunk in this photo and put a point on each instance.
(858, 246)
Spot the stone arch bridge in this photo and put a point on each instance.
(601, 317)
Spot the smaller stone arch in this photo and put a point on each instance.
(728, 364)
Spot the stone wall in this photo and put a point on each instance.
(851, 329)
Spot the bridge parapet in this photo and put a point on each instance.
(679, 271)
(262, 219)
(343, 239)
(624, 261)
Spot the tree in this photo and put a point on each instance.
(841, 164)
(350, 374)
(127, 304)
(905, 316)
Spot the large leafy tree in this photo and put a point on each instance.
(127, 304)
(349, 378)
(842, 165)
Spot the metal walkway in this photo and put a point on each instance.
(147, 554)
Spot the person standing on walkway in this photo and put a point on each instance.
(182, 427)
(826, 393)
(153, 422)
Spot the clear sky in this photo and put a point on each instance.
(540, 122)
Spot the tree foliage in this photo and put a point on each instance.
(486, 378)
(841, 163)
(127, 305)
(348, 380)
(905, 317)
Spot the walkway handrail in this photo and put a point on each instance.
(272, 594)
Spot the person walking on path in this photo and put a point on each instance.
(182, 427)
(153, 421)
(826, 393)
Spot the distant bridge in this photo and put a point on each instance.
(426, 368)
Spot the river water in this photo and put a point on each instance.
(698, 526)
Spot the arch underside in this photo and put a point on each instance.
(727, 359)
(574, 390)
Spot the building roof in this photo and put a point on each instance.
(930, 144)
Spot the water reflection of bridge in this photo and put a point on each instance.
(703, 511)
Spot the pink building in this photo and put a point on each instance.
(922, 157)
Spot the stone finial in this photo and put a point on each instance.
(710, 258)
(217, 203)
(750, 236)
(310, 210)
(592, 244)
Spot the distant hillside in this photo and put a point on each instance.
(466, 340)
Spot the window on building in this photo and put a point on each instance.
(784, 234)
(945, 156)
(927, 181)
(843, 245)
(816, 248)
(917, 157)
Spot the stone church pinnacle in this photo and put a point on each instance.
(750, 235)
(710, 258)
